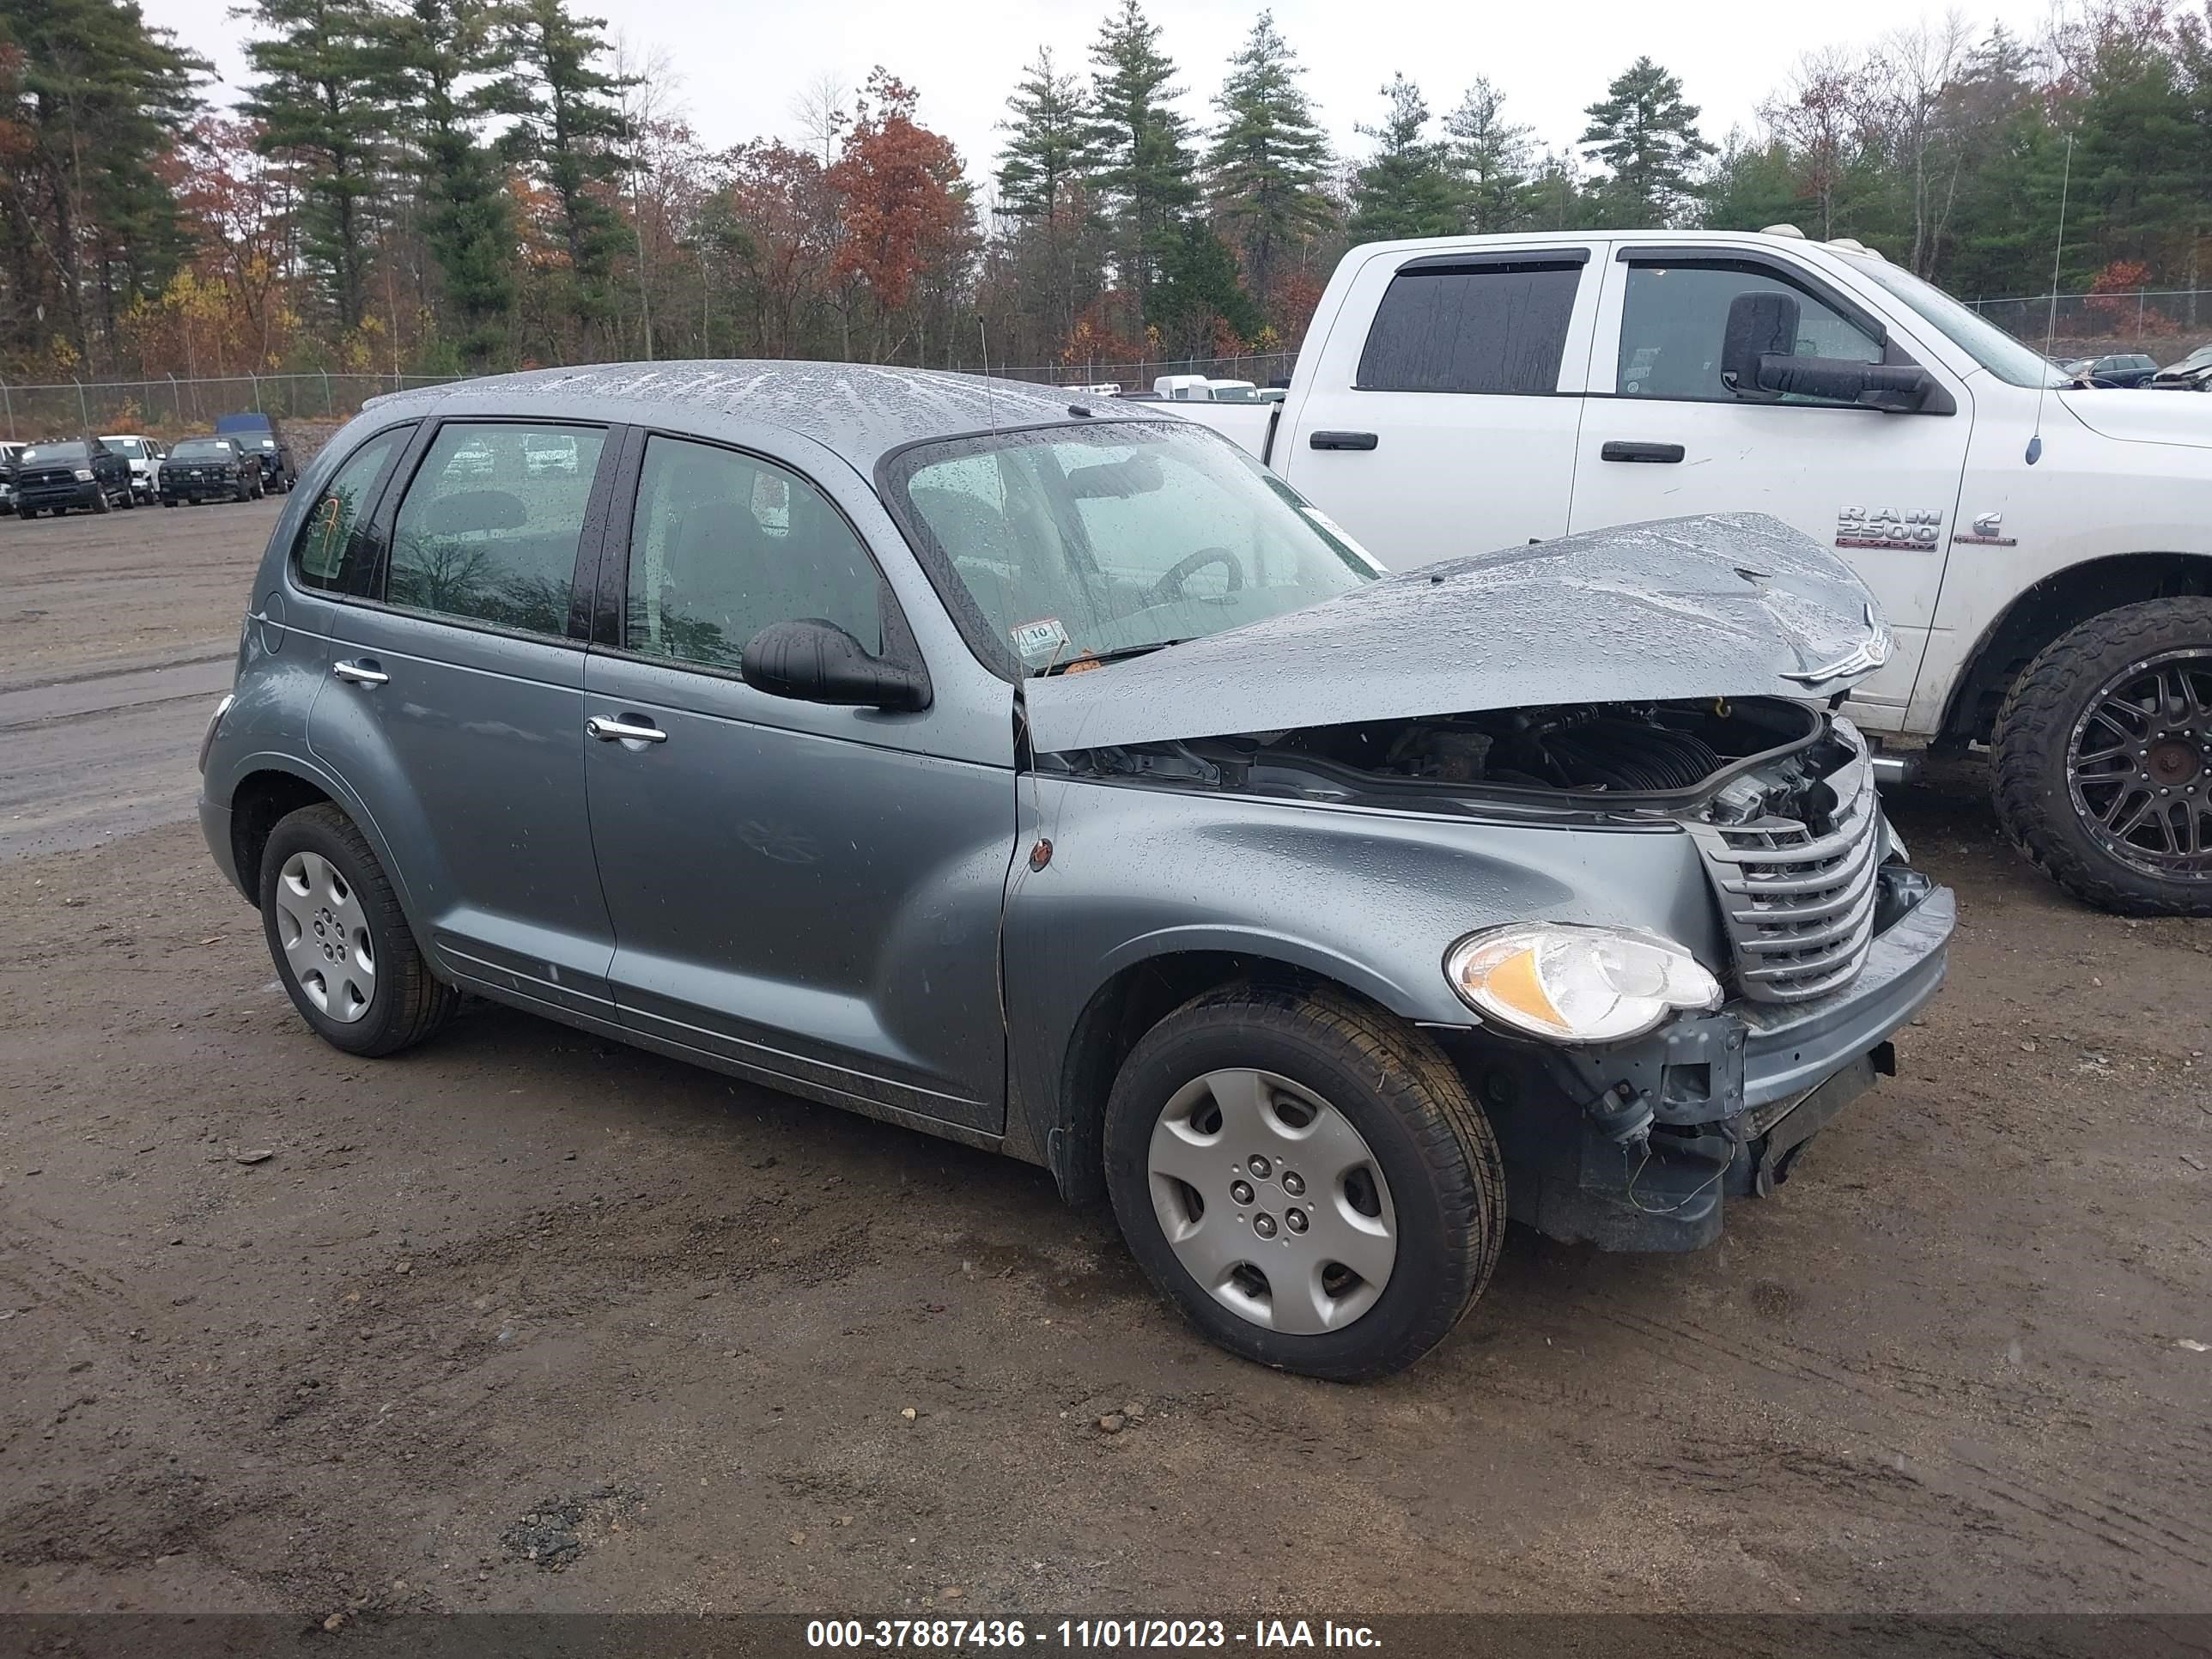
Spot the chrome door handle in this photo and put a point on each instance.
(611, 729)
(355, 674)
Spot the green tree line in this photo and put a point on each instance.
(457, 185)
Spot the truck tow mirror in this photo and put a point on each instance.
(1759, 362)
(1759, 326)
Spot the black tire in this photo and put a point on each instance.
(129, 500)
(168, 500)
(99, 502)
(410, 1004)
(1433, 1145)
(2035, 797)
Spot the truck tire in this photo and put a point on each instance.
(1256, 1129)
(2102, 759)
(99, 502)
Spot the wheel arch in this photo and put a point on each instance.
(2042, 612)
(262, 799)
(1135, 996)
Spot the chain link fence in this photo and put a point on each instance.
(176, 403)
(2165, 322)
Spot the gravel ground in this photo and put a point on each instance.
(525, 1320)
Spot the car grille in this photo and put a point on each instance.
(44, 480)
(1798, 907)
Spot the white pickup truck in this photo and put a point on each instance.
(2042, 551)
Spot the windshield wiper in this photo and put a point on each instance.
(1119, 653)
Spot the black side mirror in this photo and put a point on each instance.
(811, 661)
(1759, 362)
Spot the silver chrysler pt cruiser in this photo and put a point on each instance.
(1039, 772)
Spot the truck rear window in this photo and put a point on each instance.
(1498, 329)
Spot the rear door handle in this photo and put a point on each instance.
(1667, 453)
(611, 728)
(1342, 440)
(365, 672)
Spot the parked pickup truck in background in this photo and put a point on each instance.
(2042, 552)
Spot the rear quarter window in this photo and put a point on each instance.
(330, 552)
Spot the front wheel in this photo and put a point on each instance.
(342, 944)
(99, 502)
(2102, 759)
(1307, 1176)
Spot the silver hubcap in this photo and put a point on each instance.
(1272, 1201)
(325, 934)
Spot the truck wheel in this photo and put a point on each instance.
(341, 943)
(2102, 759)
(99, 502)
(1307, 1177)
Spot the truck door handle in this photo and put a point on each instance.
(610, 728)
(1342, 440)
(364, 672)
(1668, 453)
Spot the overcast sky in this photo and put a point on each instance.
(741, 67)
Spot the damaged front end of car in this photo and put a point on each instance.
(1676, 931)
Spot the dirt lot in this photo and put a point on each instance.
(525, 1320)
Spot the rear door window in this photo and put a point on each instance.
(327, 554)
(488, 528)
(1499, 329)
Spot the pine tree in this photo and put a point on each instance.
(445, 50)
(91, 101)
(1407, 188)
(1266, 162)
(326, 101)
(1200, 294)
(1049, 143)
(569, 128)
(1648, 138)
(1492, 156)
(1142, 145)
(1752, 186)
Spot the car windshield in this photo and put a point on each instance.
(1076, 543)
(134, 448)
(61, 451)
(1972, 332)
(201, 449)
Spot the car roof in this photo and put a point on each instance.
(861, 411)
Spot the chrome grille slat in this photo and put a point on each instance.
(1798, 908)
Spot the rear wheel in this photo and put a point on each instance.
(1307, 1177)
(2102, 759)
(342, 944)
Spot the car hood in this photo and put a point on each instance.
(2157, 418)
(1719, 605)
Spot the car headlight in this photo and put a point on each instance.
(84, 475)
(1571, 984)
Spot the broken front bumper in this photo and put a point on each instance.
(1710, 1107)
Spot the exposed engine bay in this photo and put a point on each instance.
(1741, 760)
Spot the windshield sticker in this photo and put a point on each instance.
(1343, 535)
(1040, 641)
